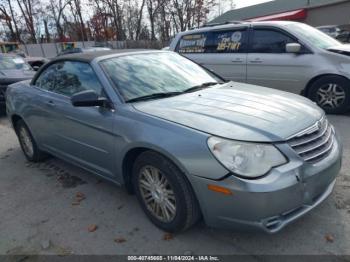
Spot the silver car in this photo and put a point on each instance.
(13, 68)
(288, 56)
(188, 144)
(331, 30)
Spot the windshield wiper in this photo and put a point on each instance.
(199, 87)
(169, 94)
(153, 96)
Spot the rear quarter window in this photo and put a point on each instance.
(194, 43)
(224, 41)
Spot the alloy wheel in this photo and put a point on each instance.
(26, 142)
(331, 96)
(157, 194)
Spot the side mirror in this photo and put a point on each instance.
(35, 68)
(293, 48)
(88, 98)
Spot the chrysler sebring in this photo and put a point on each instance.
(188, 144)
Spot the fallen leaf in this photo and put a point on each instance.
(168, 236)
(92, 228)
(120, 240)
(78, 198)
(329, 238)
(79, 194)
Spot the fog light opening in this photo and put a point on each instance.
(273, 223)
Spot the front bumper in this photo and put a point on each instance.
(272, 202)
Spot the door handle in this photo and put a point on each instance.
(237, 60)
(256, 61)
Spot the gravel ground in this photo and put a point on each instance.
(41, 214)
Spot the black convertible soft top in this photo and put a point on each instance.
(89, 56)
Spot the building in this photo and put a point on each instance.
(313, 12)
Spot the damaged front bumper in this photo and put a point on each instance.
(272, 202)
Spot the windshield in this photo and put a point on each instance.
(13, 62)
(142, 75)
(313, 35)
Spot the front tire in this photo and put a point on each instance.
(28, 143)
(164, 193)
(331, 93)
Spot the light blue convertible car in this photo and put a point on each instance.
(188, 144)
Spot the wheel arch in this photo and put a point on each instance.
(306, 91)
(130, 157)
(14, 119)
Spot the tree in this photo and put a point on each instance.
(134, 15)
(56, 8)
(153, 7)
(8, 15)
(77, 5)
(117, 15)
(102, 20)
(28, 9)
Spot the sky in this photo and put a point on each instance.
(244, 3)
(226, 5)
(221, 7)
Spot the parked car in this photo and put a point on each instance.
(14, 48)
(83, 50)
(13, 68)
(344, 37)
(188, 144)
(35, 61)
(331, 30)
(288, 56)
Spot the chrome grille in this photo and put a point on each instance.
(315, 143)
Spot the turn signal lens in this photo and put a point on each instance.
(220, 189)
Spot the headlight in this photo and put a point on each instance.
(249, 160)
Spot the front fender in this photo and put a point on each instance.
(185, 147)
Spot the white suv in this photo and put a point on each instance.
(288, 56)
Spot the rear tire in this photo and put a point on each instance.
(158, 182)
(28, 143)
(331, 93)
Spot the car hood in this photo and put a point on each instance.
(340, 49)
(15, 75)
(238, 111)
